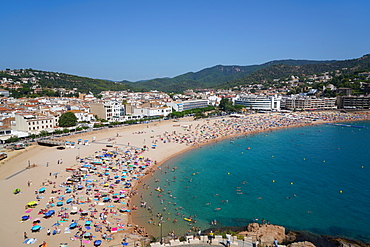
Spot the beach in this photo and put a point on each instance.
(141, 147)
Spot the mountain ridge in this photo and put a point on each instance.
(213, 76)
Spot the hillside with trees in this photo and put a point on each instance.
(212, 77)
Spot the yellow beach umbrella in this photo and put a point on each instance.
(32, 203)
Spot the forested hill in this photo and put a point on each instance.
(50, 80)
(282, 70)
(213, 77)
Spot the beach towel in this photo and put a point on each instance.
(28, 211)
(87, 227)
(86, 241)
(30, 241)
(67, 230)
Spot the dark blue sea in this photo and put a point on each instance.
(313, 178)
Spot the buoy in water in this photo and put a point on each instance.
(272, 156)
(228, 173)
(248, 148)
(340, 191)
(273, 181)
(291, 182)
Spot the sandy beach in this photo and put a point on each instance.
(140, 147)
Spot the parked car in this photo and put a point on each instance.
(3, 156)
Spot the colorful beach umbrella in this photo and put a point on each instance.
(32, 203)
(35, 228)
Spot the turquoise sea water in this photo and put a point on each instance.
(312, 178)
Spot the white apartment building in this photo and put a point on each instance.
(258, 102)
(136, 112)
(188, 104)
(308, 103)
(109, 110)
(83, 116)
(34, 124)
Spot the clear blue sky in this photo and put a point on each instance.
(138, 39)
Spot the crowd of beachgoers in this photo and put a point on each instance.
(201, 133)
(92, 203)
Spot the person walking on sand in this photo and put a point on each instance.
(276, 244)
(25, 235)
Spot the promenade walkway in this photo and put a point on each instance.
(202, 242)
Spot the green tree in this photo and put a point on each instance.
(44, 133)
(12, 139)
(226, 105)
(67, 119)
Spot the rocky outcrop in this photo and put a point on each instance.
(265, 234)
(348, 243)
(301, 244)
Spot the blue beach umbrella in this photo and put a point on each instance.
(25, 217)
(73, 225)
(97, 242)
(49, 213)
(69, 200)
(35, 228)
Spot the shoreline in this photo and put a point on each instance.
(242, 135)
(147, 135)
